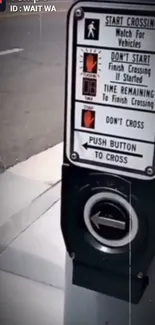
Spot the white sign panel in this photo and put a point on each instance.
(111, 99)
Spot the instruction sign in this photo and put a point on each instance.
(111, 119)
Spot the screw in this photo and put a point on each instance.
(74, 156)
(79, 13)
(149, 171)
(140, 275)
(72, 256)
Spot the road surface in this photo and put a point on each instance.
(31, 84)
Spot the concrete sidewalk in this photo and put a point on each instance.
(32, 251)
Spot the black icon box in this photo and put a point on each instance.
(91, 30)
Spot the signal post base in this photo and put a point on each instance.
(86, 307)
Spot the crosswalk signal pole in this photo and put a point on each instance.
(108, 171)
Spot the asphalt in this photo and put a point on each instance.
(31, 84)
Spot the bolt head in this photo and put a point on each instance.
(140, 275)
(72, 256)
(149, 171)
(74, 156)
(79, 14)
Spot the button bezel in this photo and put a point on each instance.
(115, 198)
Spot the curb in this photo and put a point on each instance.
(44, 167)
(31, 243)
(23, 219)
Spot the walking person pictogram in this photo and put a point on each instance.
(91, 30)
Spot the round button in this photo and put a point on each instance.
(110, 219)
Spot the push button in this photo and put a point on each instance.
(110, 219)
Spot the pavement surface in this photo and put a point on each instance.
(32, 251)
(32, 83)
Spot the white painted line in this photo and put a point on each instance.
(44, 167)
(57, 1)
(43, 1)
(61, 10)
(6, 52)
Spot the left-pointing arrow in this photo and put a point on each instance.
(88, 146)
(85, 145)
(109, 222)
